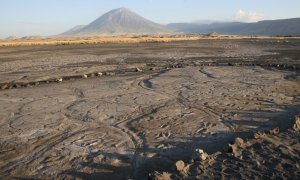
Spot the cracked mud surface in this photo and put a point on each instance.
(131, 124)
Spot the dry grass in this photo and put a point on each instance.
(123, 39)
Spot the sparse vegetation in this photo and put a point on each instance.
(126, 39)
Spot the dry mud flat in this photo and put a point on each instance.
(130, 125)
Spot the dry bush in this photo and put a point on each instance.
(121, 39)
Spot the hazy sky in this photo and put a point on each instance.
(50, 17)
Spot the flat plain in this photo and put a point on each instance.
(139, 110)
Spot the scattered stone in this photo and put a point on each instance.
(84, 76)
(275, 131)
(139, 70)
(202, 155)
(239, 142)
(233, 149)
(59, 80)
(151, 155)
(297, 123)
(180, 165)
(110, 73)
(258, 163)
(160, 176)
(161, 146)
(259, 135)
(99, 73)
(236, 148)
(99, 159)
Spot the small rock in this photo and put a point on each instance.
(99, 159)
(180, 165)
(59, 80)
(84, 76)
(259, 135)
(239, 142)
(161, 146)
(138, 70)
(258, 163)
(297, 123)
(233, 149)
(99, 73)
(151, 155)
(160, 176)
(202, 155)
(275, 131)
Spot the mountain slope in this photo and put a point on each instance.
(269, 27)
(74, 30)
(117, 22)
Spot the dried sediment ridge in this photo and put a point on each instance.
(271, 154)
(16, 84)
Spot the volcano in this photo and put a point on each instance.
(119, 21)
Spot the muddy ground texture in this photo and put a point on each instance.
(180, 110)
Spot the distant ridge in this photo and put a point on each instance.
(119, 22)
(284, 27)
(11, 38)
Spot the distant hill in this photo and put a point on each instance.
(268, 27)
(119, 22)
(32, 37)
(11, 38)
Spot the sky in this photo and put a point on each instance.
(50, 17)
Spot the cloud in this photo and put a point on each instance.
(243, 16)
